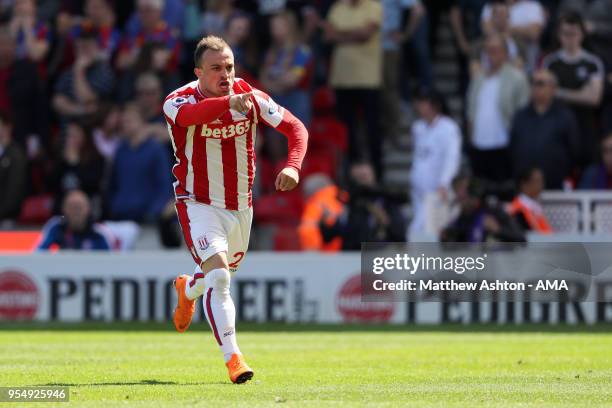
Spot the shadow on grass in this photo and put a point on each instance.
(308, 327)
(142, 382)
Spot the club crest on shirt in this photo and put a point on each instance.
(203, 243)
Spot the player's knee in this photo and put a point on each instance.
(218, 278)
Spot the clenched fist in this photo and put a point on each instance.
(287, 179)
(241, 102)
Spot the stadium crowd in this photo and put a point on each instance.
(82, 85)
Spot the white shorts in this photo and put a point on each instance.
(209, 230)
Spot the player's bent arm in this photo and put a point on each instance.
(183, 113)
(297, 139)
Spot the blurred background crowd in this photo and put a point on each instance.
(443, 118)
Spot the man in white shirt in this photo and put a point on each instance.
(436, 157)
(493, 98)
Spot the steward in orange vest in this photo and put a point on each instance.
(525, 207)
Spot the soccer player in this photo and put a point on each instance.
(212, 123)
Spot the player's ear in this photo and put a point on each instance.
(197, 71)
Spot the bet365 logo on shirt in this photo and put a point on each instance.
(226, 132)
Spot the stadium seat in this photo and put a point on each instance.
(326, 132)
(286, 239)
(563, 217)
(602, 217)
(279, 208)
(323, 161)
(36, 209)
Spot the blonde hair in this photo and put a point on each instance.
(210, 42)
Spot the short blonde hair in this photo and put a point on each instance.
(210, 42)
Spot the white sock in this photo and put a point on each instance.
(195, 285)
(220, 311)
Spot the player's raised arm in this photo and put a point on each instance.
(295, 132)
(183, 112)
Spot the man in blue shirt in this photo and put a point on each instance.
(75, 229)
(140, 186)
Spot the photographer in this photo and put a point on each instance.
(372, 214)
(478, 221)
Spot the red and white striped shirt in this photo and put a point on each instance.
(214, 145)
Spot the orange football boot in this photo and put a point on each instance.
(239, 371)
(183, 313)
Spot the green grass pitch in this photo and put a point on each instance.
(151, 366)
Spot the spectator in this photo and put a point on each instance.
(545, 134)
(239, 35)
(286, 72)
(33, 37)
(394, 35)
(215, 18)
(416, 58)
(372, 215)
(106, 136)
(580, 75)
(527, 21)
(526, 207)
(149, 98)
(323, 205)
(172, 14)
(493, 98)
(140, 185)
(599, 25)
(353, 26)
(100, 16)
(80, 167)
(22, 95)
(154, 32)
(76, 229)
(465, 16)
(436, 156)
(13, 172)
(500, 25)
(599, 176)
(464, 20)
(477, 221)
(80, 89)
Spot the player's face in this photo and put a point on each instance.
(216, 72)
